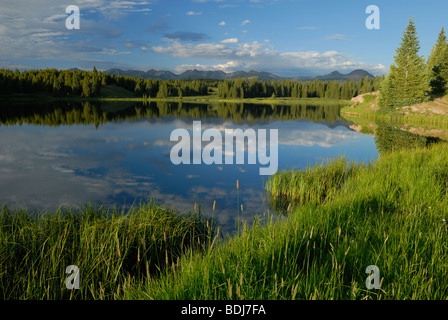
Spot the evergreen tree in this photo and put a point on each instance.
(85, 87)
(437, 66)
(56, 87)
(163, 91)
(408, 83)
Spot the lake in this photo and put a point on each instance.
(117, 154)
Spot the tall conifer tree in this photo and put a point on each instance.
(407, 82)
(438, 65)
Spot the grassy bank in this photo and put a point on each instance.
(433, 112)
(392, 214)
(123, 96)
(109, 247)
(342, 218)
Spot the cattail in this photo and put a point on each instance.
(230, 288)
(118, 249)
(237, 184)
(222, 266)
(214, 204)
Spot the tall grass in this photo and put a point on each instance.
(392, 214)
(314, 184)
(109, 247)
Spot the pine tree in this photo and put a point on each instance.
(437, 66)
(408, 82)
(163, 91)
(85, 87)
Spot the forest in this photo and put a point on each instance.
(412, 78)
(89, 84)
(245, 88)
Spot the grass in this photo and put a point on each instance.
(314, 184)
(343, 218)
(392, 214)
(113, 93)
(109, 247)
(213, 99)
(367, 112)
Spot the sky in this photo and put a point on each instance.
(285, 37)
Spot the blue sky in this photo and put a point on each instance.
(286, 37)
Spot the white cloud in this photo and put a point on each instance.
(231, 40)
(226, 67)
(192, 13)
(324, 137)
(337, 37)
(262, 56)
(245, 22)
(40, 32)
(222, 23)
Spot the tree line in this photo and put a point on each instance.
(75, 83)
(78, 83)
(413, 79)
(252, 88)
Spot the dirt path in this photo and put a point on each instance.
(437, 106)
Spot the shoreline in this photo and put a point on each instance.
(211, 99)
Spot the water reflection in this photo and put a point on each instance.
(389, 138)
(118, 154)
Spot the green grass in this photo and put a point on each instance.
(109, 247)
(343, 218)
(113, 93)
(213, 99)
(392, 214)
(368, 99)
(312, 185)
(364, 110)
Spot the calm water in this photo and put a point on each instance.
(118, 154)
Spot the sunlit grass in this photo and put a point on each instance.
(343, 218)
(110, 248)
(391, 214)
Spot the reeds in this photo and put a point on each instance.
(391, 214)
(314, 184)
(109, 247)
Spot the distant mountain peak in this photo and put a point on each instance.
(221, 75)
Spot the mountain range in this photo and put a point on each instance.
(221, 75)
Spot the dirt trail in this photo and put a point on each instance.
(437, 106)
(360, 98)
